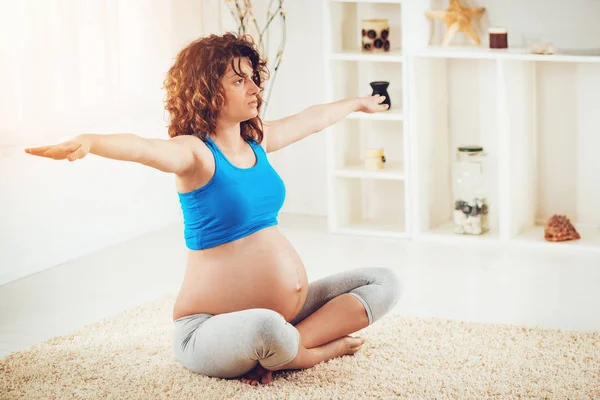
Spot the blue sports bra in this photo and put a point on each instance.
(236, 202)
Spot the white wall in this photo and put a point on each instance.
(567, 24)
(300, 85)
(52, 211)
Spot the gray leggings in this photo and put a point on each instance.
(231, 344)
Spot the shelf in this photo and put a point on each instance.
(391, 171)
(368, 1)
(590, 239)
(373, 228)
(445, 232)
(538, 126)
(394, 55)
(352, 137)
(369, 206)
(457, 106)
(364, 202)
(484, 53)
(533, 114)
(344, 26)
(551, 172)
(353, 79)
(391, 115)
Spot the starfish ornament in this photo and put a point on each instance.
(458, 19)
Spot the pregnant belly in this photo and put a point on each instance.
(259, 271)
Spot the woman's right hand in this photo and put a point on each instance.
(71, 150)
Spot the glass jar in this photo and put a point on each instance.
(470, 202)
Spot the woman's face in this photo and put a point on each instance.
(240, 93)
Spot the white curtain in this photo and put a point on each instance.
(73, 66)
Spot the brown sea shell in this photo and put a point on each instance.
(559, 228)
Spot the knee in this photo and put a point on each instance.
(391, 282)
(276, 340)
(389, 288)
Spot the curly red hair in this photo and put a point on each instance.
(193, 84)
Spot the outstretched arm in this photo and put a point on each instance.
(175, 155)
(288, 130)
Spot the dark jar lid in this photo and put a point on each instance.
(470, 149)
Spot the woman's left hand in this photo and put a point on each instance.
(372, 104)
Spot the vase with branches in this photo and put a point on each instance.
(243, 14)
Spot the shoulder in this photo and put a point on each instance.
(191, 141)
(186, 139)
(194, 144)
(203, 163)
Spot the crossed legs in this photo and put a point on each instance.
(258, 341)
(335, 307)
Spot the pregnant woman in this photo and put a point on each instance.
(245, 307)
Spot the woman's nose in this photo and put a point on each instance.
(254, 88)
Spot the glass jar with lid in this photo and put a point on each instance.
(470, 202)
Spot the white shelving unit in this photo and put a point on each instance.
(535, 115)
(358, 55)
(361, 201)
(537, 118)
(517, 54)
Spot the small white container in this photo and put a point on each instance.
(374, 159)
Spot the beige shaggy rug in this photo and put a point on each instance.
(129, 357)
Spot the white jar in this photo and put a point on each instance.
(374, 159)
(470, 201)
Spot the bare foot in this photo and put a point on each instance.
(340, 347)
(258, 375)
(348, 344)
(308, 358)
